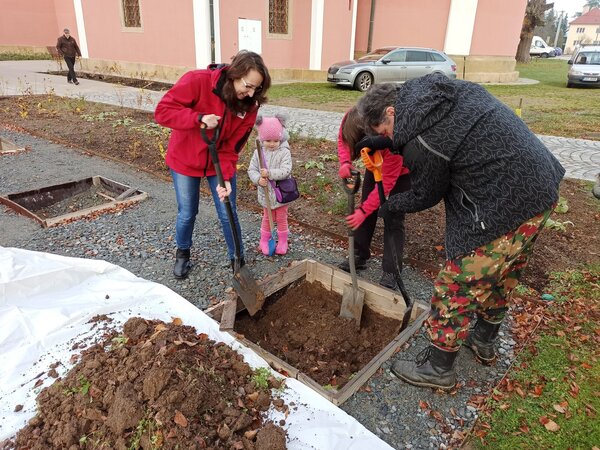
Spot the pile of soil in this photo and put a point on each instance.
(132, 137)
(156, 386)
(304, 328)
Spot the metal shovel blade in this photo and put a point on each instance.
(353, 298)
(352, 303)
(252, 296)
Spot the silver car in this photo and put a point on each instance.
(585, 67)
(390, 65)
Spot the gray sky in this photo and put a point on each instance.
(570, 6)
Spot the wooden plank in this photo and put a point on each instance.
(275, 362)
(283, 278)
(228, 315)
(366, 372)
(86, 211)
(329, 395)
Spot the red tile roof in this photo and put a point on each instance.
(591, 17)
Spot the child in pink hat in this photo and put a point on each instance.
(277, 159)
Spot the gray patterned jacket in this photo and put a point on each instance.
(279, 163)
(463, 145)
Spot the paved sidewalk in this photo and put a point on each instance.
(580, 157)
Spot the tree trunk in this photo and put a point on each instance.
(534, 16)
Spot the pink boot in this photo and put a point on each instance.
(264, 241)
(282, 242)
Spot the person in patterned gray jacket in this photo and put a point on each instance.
(499, 184)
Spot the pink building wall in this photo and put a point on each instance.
(284, 52)
(337, 23)
(65, 18)
(420, 23)
(497, 29)
(168, 42)
(30, 23)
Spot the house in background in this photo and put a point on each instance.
(298, 39)
(584, 30)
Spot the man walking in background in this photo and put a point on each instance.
(67, 47)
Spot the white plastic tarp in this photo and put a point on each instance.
(46, 302)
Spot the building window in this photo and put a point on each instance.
(278, 16)
(131, 14)
(580, 30)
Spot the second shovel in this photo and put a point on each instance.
(352, 298)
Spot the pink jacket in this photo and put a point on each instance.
(392, 169)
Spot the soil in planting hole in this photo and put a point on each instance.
(303, 328)
(156, 385)
(94, 196)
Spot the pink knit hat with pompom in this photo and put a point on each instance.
(270, 129)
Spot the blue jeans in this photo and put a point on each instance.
(187, 191)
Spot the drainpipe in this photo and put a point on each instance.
(371, 22)
(211, 8)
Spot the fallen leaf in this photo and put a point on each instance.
(180, 419)
(551, 426)
(423, 405)
(559, 408)
(504, 406)
(524, 428)
(250, 434)
(520, 392)
(177, 321)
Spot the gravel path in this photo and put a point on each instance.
(141, 239)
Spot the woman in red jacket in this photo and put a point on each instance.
(223, 96)
(364, 218)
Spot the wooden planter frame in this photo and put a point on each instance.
(27, 202)
(7, 147)
(381, 300)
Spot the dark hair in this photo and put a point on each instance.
(372, 105)
(241, 64)
(353, 130)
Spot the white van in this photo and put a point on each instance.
(540, 48)
(585, 67)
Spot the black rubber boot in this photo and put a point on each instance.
(388, 280)
(182, 264)
(481, 340)
(242, 263)
(432, 368)
(359, 263)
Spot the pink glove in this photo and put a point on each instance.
(355, 219)
(345, 169)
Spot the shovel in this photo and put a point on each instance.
(374, 162)
(261, 160)
(243, 282)
(352, 297)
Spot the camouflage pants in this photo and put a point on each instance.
(479, 284)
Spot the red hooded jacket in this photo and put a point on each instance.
(197, 92)
(391, 169)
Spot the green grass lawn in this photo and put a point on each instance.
(551, 398)
(548, 107)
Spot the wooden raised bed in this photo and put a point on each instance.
(7, 146)
(29, 203)
(381, 300)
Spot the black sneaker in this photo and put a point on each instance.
(388, 280)
(359, 263)
(76, 82)
(69, 81)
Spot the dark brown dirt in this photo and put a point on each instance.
(303, 328)
(156, 385)
(132, 137)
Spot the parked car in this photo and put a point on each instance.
(390, 65)
(540, 48)
(585, 67)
